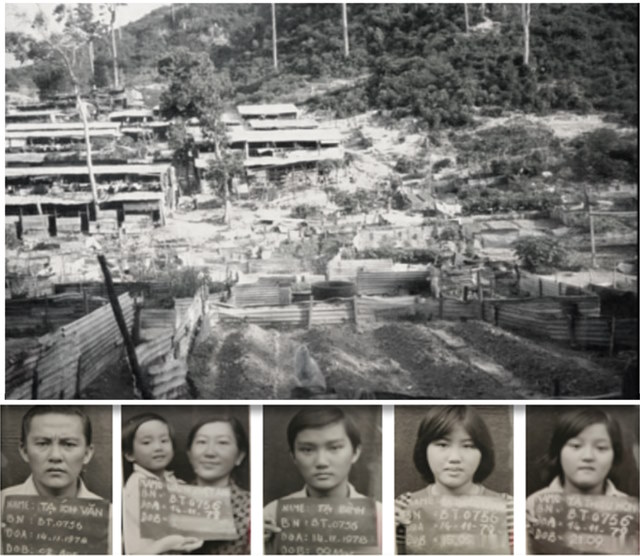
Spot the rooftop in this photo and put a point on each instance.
(121, 169)
(267, 109)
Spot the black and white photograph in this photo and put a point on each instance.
(322, 479)
(454, 479)
(56, 479)
(186, 481)
(583, 479)
(293, 201)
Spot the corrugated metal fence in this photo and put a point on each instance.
(67, 361)
(163, 359)
(46, 314)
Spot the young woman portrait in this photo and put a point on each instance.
(446, 457)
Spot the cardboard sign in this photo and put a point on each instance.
(322, 526)
(194, 511)
(457, 525)
(37, 525)
(581, 524)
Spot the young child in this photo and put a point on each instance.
(147, 443)
(454, 453)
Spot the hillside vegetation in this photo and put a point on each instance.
(408, 59)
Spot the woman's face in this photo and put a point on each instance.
(587, 459)
(152, 446)
(214, 453)
(454, 460)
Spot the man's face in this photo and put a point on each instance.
(324, 457)
(56, 450)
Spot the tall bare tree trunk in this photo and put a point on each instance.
(345, 29)
(114, 47)
(274, 36)
(91, 60)
(82, 109)
(526, 20)
(483, 11)
(226, 217)
(466, 18)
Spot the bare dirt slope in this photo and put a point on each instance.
(435, 360)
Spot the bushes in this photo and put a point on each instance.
(305, 211)
(604, 154)
(490, 201)
(540, 254)
(405, 256)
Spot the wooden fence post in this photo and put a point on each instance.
(85, 298)
(441, 306)
(355, 310)
(540, 291)
(480, 292)
(46, 313)
(122, 325)
(612, 337)
(310, 321)
(572, 331)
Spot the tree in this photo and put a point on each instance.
(114, 49)
(50, 47)
(345, 29)
(466, 18)
(274, 38)
(196, 90)
(526, 22)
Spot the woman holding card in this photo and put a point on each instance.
(217, 448)
(454, 453)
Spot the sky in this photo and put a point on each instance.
(14, 21)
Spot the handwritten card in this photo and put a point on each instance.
(312, 526)
(201, 512)
(457, 525)
(36, 525)
(580, 524)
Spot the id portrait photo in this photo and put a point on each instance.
(322, 466)
(582, 480)
(179, 458)
(454, 479)
(56, 479)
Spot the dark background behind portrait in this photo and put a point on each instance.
(540, 422)
(281, 476)
(97, 475)
(499, 420)
(182, 419)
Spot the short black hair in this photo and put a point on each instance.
(439, 422)
(315, 417)
(73, 410)
(130, 428)
(570, 424)
(236, 426)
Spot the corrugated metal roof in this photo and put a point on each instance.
(53, 126)
(284, 136)
(134, 112)
(62, 199)
(294, 157)
(134, 196)
(32, 113)
(283, 124)
(61, 133)
(266, 109)
(122, 169)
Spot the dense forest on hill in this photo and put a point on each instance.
(410, 59)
